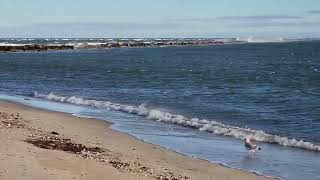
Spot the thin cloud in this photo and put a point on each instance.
(245, 18)
(280, 24)
(314, 12)
(263, 17)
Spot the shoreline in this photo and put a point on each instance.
(128, 43)
(43, 47)
(172, 160)
(106, 44)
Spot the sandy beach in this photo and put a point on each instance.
(40, 144)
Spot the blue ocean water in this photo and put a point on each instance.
(197, 100)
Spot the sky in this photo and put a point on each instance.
(159, 18)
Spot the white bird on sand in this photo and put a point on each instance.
(250, 146)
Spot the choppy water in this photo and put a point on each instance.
(211, 96)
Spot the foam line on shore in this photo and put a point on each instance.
(201, 124)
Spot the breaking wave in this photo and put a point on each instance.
(201, 124)
(260, 39)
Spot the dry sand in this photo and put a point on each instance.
(65, 153)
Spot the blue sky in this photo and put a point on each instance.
(162, 18)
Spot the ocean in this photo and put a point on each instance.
(197, 100)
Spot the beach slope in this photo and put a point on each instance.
(40, 144)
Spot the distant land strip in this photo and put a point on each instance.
(4, 47)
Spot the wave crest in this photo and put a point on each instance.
(252, 39)
(201, 124)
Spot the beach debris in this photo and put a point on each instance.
(10, 121)
(136, 167)
(52, 140)
(170, 176)
(64, 144)
(54, 133)
(120, 165)
(165, 178)
(162, 177)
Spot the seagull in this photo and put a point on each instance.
(250, 146)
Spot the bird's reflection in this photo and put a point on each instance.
(251, 158)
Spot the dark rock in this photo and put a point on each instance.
(34, 47)
(54, 133)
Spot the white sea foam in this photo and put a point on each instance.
(260, 39)
(12, 44)
(201, 124)
(95, 43)
(85, 44)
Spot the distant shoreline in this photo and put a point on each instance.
(106, 44)
(42, 44)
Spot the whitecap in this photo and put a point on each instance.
(214, 127)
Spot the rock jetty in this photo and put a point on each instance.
(36, 47)
(110, 43)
